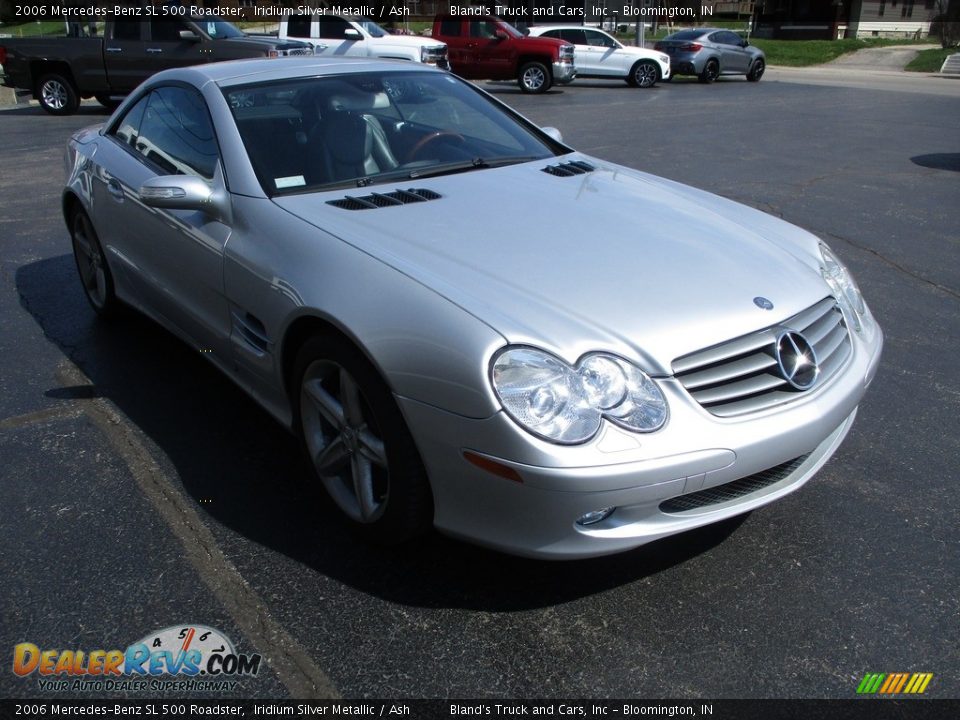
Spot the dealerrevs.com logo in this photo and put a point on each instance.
(178, 658)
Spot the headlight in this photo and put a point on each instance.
(844, 287)
(565, 404)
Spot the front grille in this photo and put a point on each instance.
(742, 376)
(379, 200)
(291, 52)
(574, 167)
(732, 490)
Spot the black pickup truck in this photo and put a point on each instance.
(106, 60)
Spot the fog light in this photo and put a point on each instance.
(592, 518)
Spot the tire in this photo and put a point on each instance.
(711, 71)
(107, 101)
(644, 74)
(57, 95)
(756, 70)
(95, 275)
(357, 443)
(534, 78)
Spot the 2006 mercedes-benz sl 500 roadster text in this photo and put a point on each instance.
(469, 324)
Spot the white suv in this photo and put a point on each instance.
(599, 55)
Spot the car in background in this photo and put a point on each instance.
(709, 53)
(603, 359)
(599, 55)
(347, 35)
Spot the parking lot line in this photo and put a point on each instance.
(286, 657)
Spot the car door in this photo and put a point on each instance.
(166, 48)
(604, 55)
(452, 32)
(123, 55)
(172, 260)
(733, 57)
(329, 35)
(493, 54)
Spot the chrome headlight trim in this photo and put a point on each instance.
(844, 287)
(566, 404)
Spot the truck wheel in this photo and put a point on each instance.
(57, 95)
(534, 78)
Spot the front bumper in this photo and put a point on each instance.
(537, 516)
(564, 72)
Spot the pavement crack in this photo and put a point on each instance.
(895, 265)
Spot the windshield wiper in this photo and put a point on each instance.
(466, 165)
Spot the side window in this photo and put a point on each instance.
(450, 28)
(717, 37)
(573, 36)
(126, 30)
(176, 133)
(598, 39)
(332, 28)
(483, 29)
(298, 26)
(166, 31)
(127, 130)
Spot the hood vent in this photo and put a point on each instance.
(380, 200)
(574, 167)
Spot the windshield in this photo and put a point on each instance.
(219, 28)
(362, 129)
(371, 27)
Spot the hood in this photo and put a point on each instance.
(266, 43)
(410, 41)
(612, 260)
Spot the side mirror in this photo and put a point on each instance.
(552, 133)
(184, 192)
(500, 35)
(352, 34)
(744, 43)
(189, 36)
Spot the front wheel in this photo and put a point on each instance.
(57, 95)
(710, 72)
(534, 78)
(756, 71)
(643, 74)
(358, 444)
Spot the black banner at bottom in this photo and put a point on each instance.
(873, 708)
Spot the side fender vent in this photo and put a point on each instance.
(574, 167)
(381, 200)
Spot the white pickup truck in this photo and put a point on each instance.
(360, 37)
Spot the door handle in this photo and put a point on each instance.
(154, 50)
(115, 189)
(114, 49)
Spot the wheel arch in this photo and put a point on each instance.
(40, 68)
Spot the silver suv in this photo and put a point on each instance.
(709, 53)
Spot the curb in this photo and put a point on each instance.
(9, 97)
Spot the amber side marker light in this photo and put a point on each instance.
(492, 466)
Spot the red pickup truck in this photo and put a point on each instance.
(490, 49)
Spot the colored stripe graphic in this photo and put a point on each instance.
(894, 683)
(870, 683)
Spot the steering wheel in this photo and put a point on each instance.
(428, 140)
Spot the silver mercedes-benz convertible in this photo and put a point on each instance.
(469, 324)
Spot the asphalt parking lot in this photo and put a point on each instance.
(141, 490)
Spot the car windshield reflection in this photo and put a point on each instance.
(362, 129)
